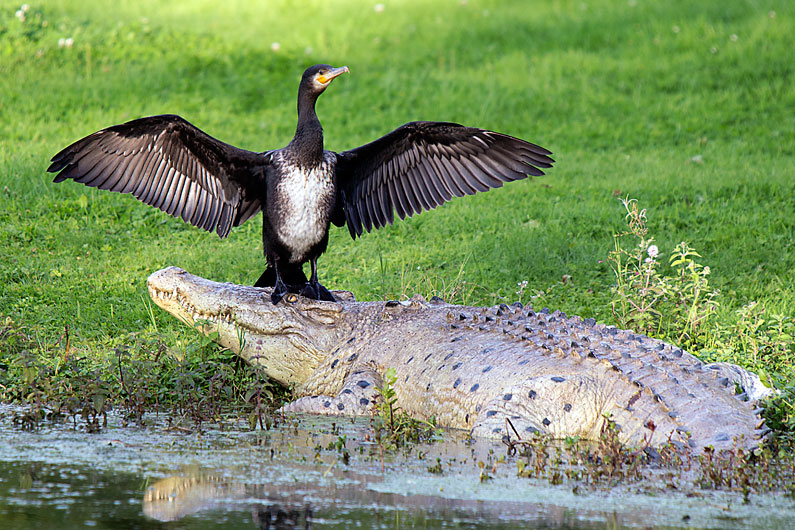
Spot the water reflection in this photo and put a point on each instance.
(175, 497)
(307, 505)
(293, 477)
(277, 517)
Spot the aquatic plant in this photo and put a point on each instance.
(392, 427)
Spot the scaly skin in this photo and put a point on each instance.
(472, 367)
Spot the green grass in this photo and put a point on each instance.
(687, 107)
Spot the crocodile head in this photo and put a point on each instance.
(287, 340)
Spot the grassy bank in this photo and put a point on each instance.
(685, 107)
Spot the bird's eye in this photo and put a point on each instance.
(291, 298)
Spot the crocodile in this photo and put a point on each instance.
(497, 371)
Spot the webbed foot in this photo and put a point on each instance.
(324, 294)
(315, 291)
(279, 290)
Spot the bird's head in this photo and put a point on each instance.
(316, 78)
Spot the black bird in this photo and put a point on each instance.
(168, 163)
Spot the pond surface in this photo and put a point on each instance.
(295, 476)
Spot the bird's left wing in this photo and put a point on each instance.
(421, 165)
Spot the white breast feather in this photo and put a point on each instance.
(303, 193)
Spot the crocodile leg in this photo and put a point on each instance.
(356, 398)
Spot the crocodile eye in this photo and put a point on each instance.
(291, 298)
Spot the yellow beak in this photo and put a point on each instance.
(325, 79)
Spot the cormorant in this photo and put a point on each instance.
(170, 164)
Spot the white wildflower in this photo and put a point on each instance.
(20, 15)
(61, 42)
(653, 251)
(733, 37)
(378, 8)
(275, 46)
(69, 42)
(24, 8)
(675, 29)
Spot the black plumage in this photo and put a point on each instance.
(170, 164)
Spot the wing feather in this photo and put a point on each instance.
(422, 165)
(166, 162)
(433, 184)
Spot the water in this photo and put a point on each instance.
(293, 477)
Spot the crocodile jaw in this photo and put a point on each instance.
(287, 340)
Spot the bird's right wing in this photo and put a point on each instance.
(421, 165)
(166, 162)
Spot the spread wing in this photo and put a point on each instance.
(170, 164)
(421, 165)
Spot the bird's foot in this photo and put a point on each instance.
(279, 290)
(308, 291)
(315, 291)
(324, 294)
